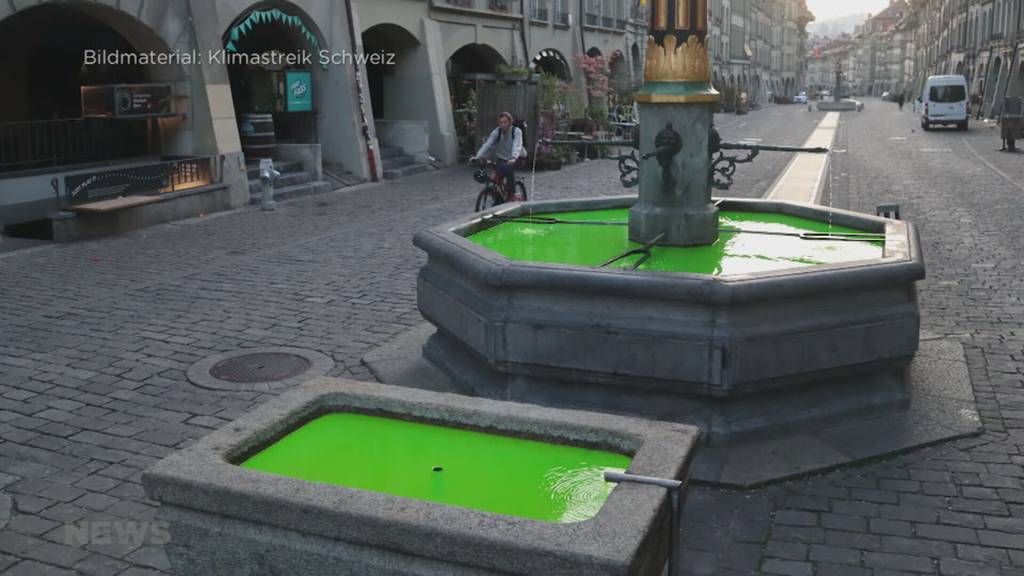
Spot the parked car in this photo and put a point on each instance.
(826, 93)
(887, 96)
(944, 101)
(800, 98)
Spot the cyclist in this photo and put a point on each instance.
(506, 144)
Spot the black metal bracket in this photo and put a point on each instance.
(723, 168)
(644, 252)
(629, 169)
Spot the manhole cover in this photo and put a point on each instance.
(262, 367)
(259, 369)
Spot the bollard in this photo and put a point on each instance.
(267, 177)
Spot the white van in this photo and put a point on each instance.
(944, 101)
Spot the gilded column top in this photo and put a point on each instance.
(677, 67)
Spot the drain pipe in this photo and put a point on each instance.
(675, 488)
(583, 51)
(371, 151)
(524, 32)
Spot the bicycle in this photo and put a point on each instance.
(494, 192)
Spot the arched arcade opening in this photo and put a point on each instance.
(409, 94)
(551, 61)
(618, 73)
(62, 63)
(467, 66)
(274, 69)
(392, 85)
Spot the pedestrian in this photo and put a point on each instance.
(901, 99)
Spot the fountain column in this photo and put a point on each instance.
(676, 110)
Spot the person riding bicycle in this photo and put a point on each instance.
(506, 144)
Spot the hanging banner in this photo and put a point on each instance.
(299, 91)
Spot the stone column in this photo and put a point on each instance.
(675, 189)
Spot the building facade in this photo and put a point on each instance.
(147, 112)
(188, 95)
(758, 47)
(983, 40)
(448, 47)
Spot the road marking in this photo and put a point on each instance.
(992, 166)
(897, 137)
(939, 150)
(804, 177)
(728, 124)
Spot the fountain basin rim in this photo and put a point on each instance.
(204, 478)
(903, 260)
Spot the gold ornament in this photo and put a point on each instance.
(669, 63)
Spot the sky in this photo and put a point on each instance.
(829, 9)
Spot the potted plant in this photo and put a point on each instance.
(513, 72)
(553, 101)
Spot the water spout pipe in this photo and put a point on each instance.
(674, 488)
(630, 143)
(768, 148)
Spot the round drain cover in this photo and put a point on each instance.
(260, 367)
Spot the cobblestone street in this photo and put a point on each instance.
(95, 339)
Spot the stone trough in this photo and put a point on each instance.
(228, 519)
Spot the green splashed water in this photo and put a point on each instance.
(486, 472)
(734, 253)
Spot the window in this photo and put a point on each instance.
(539, 10)
(947, 94)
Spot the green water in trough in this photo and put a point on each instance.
(487, 472)
(764, 242)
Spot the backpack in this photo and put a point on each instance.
(521, 125)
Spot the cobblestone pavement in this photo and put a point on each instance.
(953, 509)
(95, 339)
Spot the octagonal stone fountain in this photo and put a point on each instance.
(763, 338)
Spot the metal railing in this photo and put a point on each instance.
(593, 19)
(46, 143)
(503, 6)
(191, 173)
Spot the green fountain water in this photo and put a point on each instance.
(469, 469)
(761, 242)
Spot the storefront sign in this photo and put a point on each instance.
(126, 100)
(299, 88)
